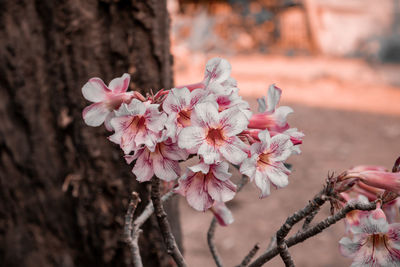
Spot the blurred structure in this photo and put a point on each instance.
(359, 28)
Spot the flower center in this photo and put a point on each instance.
(138, 124)
(215, 136)
(263, 160)
(377, 240)
(183, 117)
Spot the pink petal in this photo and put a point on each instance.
(263, 183)
(196, 194)
(143, 169)
(348, 247)
(233, 121)
(95, 114)
(248, 167)
(220, 171)
(232, 151)
(208, 153)
(205, 114)
(274, 95)
(95, 90)
(217, 70)
(121, 84)
(164, 168)
(277, 174)
(201, 167)
(280, 147)
(191, 137)
(221, 191)
(176, 100)
(222, 214)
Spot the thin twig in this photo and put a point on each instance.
(131, 236)
(163, 223)
(249, 256)
(302, 236)
(213, 225)
(211, 244)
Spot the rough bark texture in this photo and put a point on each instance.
(64, 187)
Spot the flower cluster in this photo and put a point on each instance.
(208, 120)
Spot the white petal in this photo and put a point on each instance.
(209, 153)
(263, 184)
(221, 172)
(201, 167)
(233, 121)
(262, 106)
(232, 152)
(136, 107)
(191, 137)
(348, 248)
(120, 84)
(197, 195)
(274, 95)
(95, 114)
(264, 137)
(177, 100)
(107, 121)
(205, 114)
(280, 147)
(143, 169)
(95, 90)
(281, 113)
(221, 191)
(222, 214)
(217, 70)
(248, 167)
(277, 175)
(164, 168)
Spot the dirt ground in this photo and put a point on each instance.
(349, 113)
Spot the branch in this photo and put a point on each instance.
(211, 244)
(163, 223)
(302, 236)
(309, 219)
(213, 225)
(131, 234)
(249, 256)
(312, 206)
(132, 230)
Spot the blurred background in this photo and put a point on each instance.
(337, 62)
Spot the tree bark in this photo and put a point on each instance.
(64, 187)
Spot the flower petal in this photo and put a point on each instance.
(95, 90)
(217, 70)
(232, 151)
(120, 84)
(143, 169)
(281, 147)
(222, 214)
(220, 171)
(205, 114)
(263, 183)
(164, 168)
(191, 137)
(248, 167)
(95, 114)
(233, 121)
(196, 194)
(274, 95)
(221, 191)
(177, 100)
(349, 248)
(209, 153)
(277, 174)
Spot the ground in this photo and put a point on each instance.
(349, 112)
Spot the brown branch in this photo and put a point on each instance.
(302, 236)
(211, 244)
(163, 223)
(309, 219)
(249, 256)
(132, 230)
(312, 206)
(131, 235)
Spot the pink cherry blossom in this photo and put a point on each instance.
(204, 184)
(137, 124)
(222, 213)
(163, 162)
(374, 243)
(212, 135)
(271, 117)
(106, 99)
(179, 105)
(265, 164)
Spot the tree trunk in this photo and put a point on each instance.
(64, 186)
